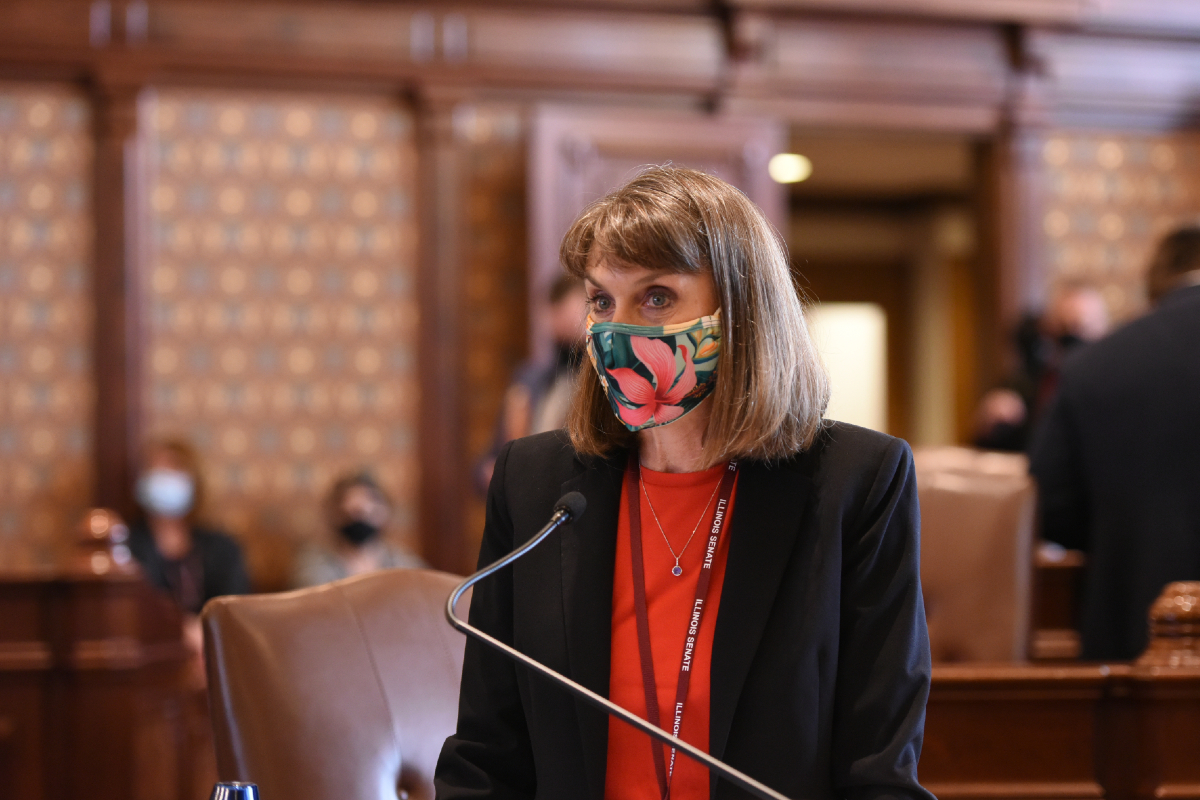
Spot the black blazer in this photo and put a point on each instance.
(820, 663)
(216, 555)
(1117, 461)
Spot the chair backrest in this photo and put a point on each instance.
(346, 690)
(977, 526)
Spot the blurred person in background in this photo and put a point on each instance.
(1007, 415)
(1077, 316)
(358, 511)
(178, 554)
(1117, 457)
(539, 395)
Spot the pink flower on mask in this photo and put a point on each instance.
(659, 401)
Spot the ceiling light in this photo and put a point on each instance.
(789, 168)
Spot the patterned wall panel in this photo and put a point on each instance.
(1109, 199)
(495, 256)
(282, 303)
(45, 319)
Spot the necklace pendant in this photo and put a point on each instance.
(676, 570)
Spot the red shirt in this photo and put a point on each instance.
(678, 498)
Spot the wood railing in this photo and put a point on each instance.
(1119, 731)
(95, 696)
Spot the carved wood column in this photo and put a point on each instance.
(1018, 185)
(117, 350)
(445, 479)
(1019, 192)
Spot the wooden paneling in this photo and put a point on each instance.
(79, 21)
(484, 44)
(998, 10)
(824, 71)
(1105, 81)
(445, 479)
(1175, 18)
(92, 690)
(578, 155)
(66, 23)
(1021, 732)
(1170, 17)
(1013, 732)
(1015, 194)
(1057, 580)
(494, 141)
(1164, 708)
(675, 47)
(313, 28)
(117, 364)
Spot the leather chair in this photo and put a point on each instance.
(977, 531)
(345, 690)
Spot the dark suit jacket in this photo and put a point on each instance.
(1117, 461)
(216, 556)
(820, 663)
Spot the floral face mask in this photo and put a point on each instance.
(654, 374)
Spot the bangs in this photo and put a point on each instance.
(631, 228)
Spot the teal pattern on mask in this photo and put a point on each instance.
(654, 374)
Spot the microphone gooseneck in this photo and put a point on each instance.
(569, 508)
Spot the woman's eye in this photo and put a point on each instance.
(658, 300)
(600, 303)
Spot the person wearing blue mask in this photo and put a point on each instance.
(178, 554)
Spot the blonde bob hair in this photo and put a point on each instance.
(772, 390)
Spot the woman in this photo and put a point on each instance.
(358, 510)
(188, 561)
(804, 661)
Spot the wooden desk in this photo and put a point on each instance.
(1057, 583)
(1033, 732)
(92, 689)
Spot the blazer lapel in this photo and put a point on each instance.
(589, 549)
(766, 522)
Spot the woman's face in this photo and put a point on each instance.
(634, 295)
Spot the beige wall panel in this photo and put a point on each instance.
(45, 319)
(1108, 200)
(282, 314)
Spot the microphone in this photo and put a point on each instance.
(569, 508)
(573, 504)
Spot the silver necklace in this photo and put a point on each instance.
(677, 570)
